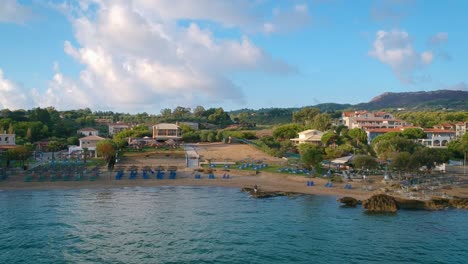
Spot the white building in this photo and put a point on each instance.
(437, 138)
(88, 142)
(460, 129)
(7, 139)
(88, 131)
(371, 120)
(117, 128)
(166, 131)
(309, 136)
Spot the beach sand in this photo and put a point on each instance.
(239, 178)
(265, 181)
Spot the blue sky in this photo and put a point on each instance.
(145, 55)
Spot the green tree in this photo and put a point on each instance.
(53, 146)
(320, 122)
(311, 155)
(414, 133)
(365, 162)
(286, 132)
(358, 136)
(305, 115)
(108, 150)
(198, 111)
(20, 153)
(329, 138)
(219, 117)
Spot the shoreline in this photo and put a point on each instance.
(268, 182)
(265, 181)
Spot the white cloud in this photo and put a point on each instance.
(12, 95)
(437, 42)
(136, 55)
(395, 49)
(439, 38)
(288, 20)
(11, 11)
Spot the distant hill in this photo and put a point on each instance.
(432, 100)
(416, 101)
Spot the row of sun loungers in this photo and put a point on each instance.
(211, 176)
(146, 174)
(329, 185)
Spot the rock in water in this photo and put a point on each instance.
(380, 203)
(349, 201)
(460, 203)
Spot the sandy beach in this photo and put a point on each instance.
(265, 181)
(238, 178)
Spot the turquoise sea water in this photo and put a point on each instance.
(217, 225)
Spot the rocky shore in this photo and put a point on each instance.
(383, 203)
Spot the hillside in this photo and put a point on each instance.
(432, 100)
(415, 101)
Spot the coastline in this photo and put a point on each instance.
(265, 181)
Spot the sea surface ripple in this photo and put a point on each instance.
(217, 225)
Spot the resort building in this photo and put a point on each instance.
(88, 142)
(117, 128)
(460, 129)
(437, 138)
(373, 133)
(165, 131)
(7, 141)
(309, 136)
(88, 131)
(371, 120)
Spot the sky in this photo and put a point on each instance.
(146, 55)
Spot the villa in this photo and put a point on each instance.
(309, 136)
(166, 131)
(460, 129)
(7, 141)
(117, 128)
(371, 120)
(88, 131)
(89, 143)
(437, 138)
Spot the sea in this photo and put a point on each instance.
(217, 225)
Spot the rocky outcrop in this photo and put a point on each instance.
(265, 194)
(349, 201)
(460, 203)
(380, 203)
(387, 203)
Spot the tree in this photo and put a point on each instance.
(29, 134)
(305, 115)
(311, 155)
(357, 135)
(329, 138)
(198, 111)
(286, 132)
(53, 146)
(365, 162)
(220, 117)
(108, 150)
(11, 129)
(413, 133)
(321, 122)
(166, 113)
(180, 112)
(20, 153)
(401, 161)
